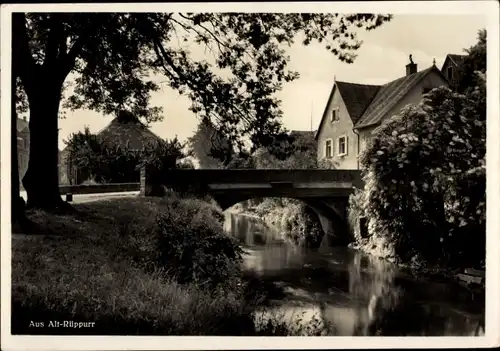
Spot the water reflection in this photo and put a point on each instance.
(351, 294)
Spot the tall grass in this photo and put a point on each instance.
(94, 266)
(135, 266)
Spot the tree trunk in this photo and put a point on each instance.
(41, 180)
(17, 203)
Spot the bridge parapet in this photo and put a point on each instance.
(208, 176)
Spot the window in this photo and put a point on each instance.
(449, 72)
(342, 146)
(334, 115)
(328, 148)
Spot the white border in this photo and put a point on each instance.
(491, 338)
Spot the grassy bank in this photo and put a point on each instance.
(133, 266)
(96, 266)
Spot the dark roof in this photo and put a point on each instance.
(457, 59)
(389, 95)
(22, 124)
(126, 132)
(357, 97)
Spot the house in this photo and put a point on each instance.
(23, 146)
(452, 67)
(353, 111)
(125, 132)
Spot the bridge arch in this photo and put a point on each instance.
(326, 192)
(332, 220)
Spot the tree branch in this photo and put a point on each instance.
(68, 60)
(23, 64)
(56, 36)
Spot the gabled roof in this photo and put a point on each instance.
(456, 59)
(368, 104)
(389, 95)
(357, 97)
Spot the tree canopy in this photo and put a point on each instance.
(475, 61)
(113, 58)
(210, 147)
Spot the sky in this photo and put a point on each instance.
(382, 57)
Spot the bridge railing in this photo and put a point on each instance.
(186, 177)
(261, 175)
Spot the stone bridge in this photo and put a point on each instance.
(325, 191)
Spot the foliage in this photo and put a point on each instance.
(418, 187)
(241, 159)
(354, 213)
(297, 151)
(192, 245)
(90, 159)
(165, 155)
(475, 61)
(112, 58)
(249, 48)
(104, 163)
(297, 222)
(209, 147)
(92, 268)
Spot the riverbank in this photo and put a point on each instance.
(99, 266)
(94, 266)
(297, 223)
(471, 279)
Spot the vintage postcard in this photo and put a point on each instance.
(250, 175)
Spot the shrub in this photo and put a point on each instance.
(185, 237)
(193, 246)
(355, 212)
(424, 177)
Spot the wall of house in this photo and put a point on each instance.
(414, 96)
(333, 130)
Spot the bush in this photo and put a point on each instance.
(424, 178)
(354, 213)
(193, 246)
(185, 237)
(90, 157)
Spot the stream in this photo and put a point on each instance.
(347, 293)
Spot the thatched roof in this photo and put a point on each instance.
(126, 130)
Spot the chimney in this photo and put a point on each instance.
(411, 67)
